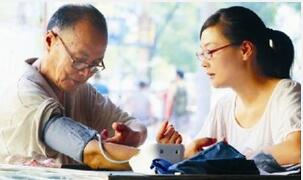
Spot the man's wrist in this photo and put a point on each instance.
(139, 138)
(93, 158)
(138, 135)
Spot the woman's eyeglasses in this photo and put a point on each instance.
(208, 54)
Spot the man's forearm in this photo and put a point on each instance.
(93, 157)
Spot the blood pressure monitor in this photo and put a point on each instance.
(142, 161)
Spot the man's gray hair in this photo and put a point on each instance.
(68, 15)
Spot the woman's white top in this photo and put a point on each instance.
(282, 116)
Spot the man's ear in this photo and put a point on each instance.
(247, 49)
(49, 40)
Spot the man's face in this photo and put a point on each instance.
(79, 44)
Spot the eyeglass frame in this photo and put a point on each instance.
(92, 68)
(201, 55)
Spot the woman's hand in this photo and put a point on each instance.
(197, 145)
(168, 135)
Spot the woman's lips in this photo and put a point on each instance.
(211, 75)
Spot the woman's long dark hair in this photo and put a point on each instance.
(275, 51)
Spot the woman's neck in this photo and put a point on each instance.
(255, 90)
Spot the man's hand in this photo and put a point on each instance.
(123, 135)
(168, 135)
(197, 145)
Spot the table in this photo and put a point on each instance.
(25, 172)
(203, 177)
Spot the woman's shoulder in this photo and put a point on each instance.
(289, 83)
(286, 95)
(287, 87)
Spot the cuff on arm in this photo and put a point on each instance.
(68, 136)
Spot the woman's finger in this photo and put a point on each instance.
(161, 131)
(173, 138)
(179, 140)
(169, 132)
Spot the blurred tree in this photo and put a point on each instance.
(177, 34)
(144, 32)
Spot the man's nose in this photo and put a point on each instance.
(85, 72)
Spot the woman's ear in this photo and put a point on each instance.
(247, 50)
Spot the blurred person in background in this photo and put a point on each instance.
(138, 104)
(175, 106)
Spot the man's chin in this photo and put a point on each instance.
(70, 88)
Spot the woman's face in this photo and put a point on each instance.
(219, 57)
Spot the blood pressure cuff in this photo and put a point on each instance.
(67, 136)
(221, 158)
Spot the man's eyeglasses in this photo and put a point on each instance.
(208, 54)
(76, 64)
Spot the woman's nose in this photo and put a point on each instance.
(205, 63)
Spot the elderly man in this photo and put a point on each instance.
(52, 111)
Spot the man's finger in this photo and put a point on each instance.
(120, 127)
(104, 134)
(115, 125)
(114, 139)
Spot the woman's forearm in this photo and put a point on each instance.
(287, 152)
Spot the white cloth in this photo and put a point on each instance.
(29, 103)
(282, 116)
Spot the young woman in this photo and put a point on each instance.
(264, 114)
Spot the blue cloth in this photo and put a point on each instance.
(218, 159)
(267, 163)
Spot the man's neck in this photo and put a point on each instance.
(59, 93)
